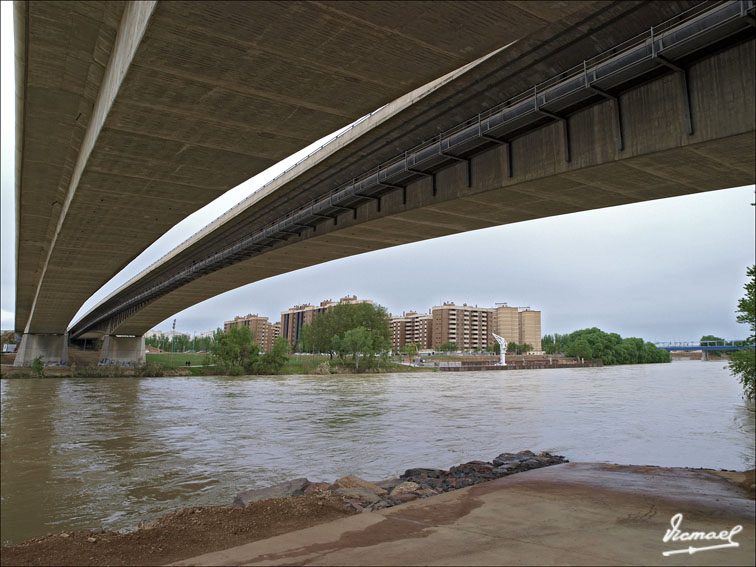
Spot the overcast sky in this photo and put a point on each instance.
(671, 269)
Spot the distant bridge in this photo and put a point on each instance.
(703, 345)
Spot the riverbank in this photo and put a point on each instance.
(84, 365)
(258, 514)
(511, 493)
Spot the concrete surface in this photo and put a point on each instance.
(122, 351)
(572, 514)
(133, 115)
(52, 348)
(659, 160)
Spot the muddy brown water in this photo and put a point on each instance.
(90, 453)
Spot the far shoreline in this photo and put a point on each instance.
(299, 364)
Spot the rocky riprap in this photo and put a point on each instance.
(365, 496)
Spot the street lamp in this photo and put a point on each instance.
(173, 341)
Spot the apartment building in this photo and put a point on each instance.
(507, 322)
(472, 327)
(412, 327)
(518, 325)
(469, 327)
(295, 317)
(264, 332)
(530, 328)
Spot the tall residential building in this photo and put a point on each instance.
(469, 327)
(507, 323)
(264, 332)
(293, 318)
(530, 328)
(518, 325)
(414, 328)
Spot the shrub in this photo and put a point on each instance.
(38, 367)
(150, 369)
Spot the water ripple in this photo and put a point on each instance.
(83, 453)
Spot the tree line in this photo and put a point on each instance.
(236, 352)
(180, 343)
(743, 362)
(611, 348)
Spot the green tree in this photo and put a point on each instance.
(743, 362)
(357, 341)
(38, 367)
(275, 359)
(515, 348)
(8, 337)
(447, 347)
(594, 343)
(316, 336)
(580, 348)
(235, 349)
(327, 331)
(410, 349)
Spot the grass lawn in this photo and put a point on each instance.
(303, 364)
(297, 364)
(308, 364)
(179, 359)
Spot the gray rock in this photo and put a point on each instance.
(358, 493)
(432, 483)
(405, 488)
(424, 473)
(470, 469)
(356, 505)
(286, 489)
(313, 486)
(526, 460)
(357, 482)
(381, 504)
(389, 483)
(506, 469)
(506, 458)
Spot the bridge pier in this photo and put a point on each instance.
(52, 348)
(122, 351)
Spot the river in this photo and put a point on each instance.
(85, 453)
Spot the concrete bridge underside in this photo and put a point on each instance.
(561, 37)
(659, 159)
(132, 115)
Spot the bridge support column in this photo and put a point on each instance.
(52, 348)
(122, 351)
